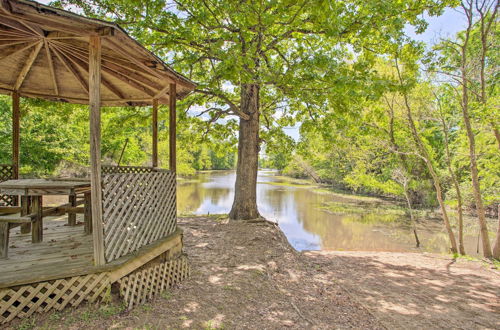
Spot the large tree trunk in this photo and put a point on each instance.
(245, 195)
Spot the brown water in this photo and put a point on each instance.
(366, 224)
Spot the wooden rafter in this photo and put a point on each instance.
(84, 65)
(69, 66)
(16, 25)
(35, 29)
(120, 76)
(117, 48)
(8, 43)
(130, 74)
(17, 49)
(116, 65)
(51, 67)
(27, 66)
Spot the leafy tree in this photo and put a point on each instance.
(252, 58)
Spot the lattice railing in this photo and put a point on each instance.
(7, 173)
(23, 301)
(138, 209)
(113, 169)
(152, 279)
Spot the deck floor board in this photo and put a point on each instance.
(64, 250)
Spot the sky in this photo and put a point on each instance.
(444, 26)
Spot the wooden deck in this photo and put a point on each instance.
(64, 250)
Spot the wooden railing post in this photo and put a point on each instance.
(16, 128)
(173, 128)
(95, 147)
(154, 157)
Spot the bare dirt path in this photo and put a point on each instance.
(418, 291)
(245, 275)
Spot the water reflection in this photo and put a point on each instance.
(308, 226)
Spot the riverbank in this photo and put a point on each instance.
(246, 275)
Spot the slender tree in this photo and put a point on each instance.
(468, 8)
(422, 149)
(453, 175)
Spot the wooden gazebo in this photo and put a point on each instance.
(56, 55)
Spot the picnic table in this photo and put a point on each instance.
(32, 210)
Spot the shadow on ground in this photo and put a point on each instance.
(412, 290)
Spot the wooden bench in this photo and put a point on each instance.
(7, 222)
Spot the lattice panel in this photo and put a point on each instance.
(113, 169)
(23, 301)
(142, 284)
(138, 209)
(7, 173)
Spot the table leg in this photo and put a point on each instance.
(4, 239)
(25, 210)
(87, 216)
(37, 208)
(72, 215)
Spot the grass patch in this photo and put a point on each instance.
(487, 263)
(166, 295)
(287, 184)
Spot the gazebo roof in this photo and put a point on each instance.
(44, 53)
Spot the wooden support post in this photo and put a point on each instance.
(173, 128)
(16, 118)
(25, 210)
(72, 215)
(87, 214)
(37, 209)
(154, 157)
(4, 239)
(95, 147)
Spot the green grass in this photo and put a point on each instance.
(487, 263)
(287, 184)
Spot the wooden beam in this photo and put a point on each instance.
(16, 50)
(51, 67)
(21, 28)
(85, 67)
(54, 19)
(172, 128)
(27, 66)
(60, 55)
(95, 147)
(155, 133)
(123, 75)
(117, 48)
(34, 28)
(16, 128)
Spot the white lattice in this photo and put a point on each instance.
(23, 301)
(138, 209)
(153, 278)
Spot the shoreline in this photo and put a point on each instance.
(247, 275)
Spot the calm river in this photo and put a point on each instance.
(314, 219)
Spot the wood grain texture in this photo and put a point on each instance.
(154, 157)
(95, 147)
(153, 278)
(173, 129)
(45, 54)
(138, 209)
(16, 135)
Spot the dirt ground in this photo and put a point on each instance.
(247, 276)
(417, 291)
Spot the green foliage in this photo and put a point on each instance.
(55, 139)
